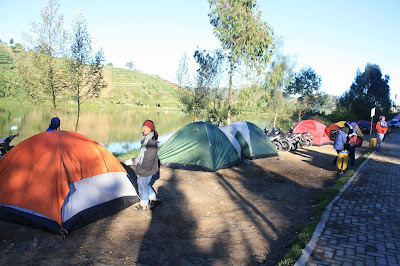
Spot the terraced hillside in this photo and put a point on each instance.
(7, 63)
(130, 87)
(135, 87)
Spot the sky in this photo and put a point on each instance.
(335, 38)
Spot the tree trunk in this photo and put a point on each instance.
(228, 120)
(300, 112)
(79, 110)
(52, 89)
(276, 116)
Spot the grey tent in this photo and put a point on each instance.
(259, 144)
(237, 141)
(198, 146)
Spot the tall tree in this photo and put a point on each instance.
(85, 72)
(208, 80)
(277, 78)
(368, 90)
(306, 85)
(48, 39)
(193, 98)
(248, 40)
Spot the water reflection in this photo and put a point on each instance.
(117, 131)
(122, 147)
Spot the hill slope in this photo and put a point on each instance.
(135, 87)
(123, 85)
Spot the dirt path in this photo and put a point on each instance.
(240, 216)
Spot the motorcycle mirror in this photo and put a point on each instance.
(14, 128)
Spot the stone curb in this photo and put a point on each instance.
(308, 249)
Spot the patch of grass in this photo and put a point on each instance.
(122, 157)
(321, 201)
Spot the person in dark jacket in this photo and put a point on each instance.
(340, 142)
(54, 124)
(351, 141)
(147, 166)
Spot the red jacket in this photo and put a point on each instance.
(381, 127)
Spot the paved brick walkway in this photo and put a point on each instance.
(362, 226)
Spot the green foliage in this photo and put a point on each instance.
(8, 77)
(194, 100)
(48, 42)
(84, 72)
(306, 85)
(130, 65)
(217, 113)
(238, 26)
(368, 90)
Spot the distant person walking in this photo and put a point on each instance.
(147, 166)
(351, 142)
(381, 129)
(340, 142)
(54, 124)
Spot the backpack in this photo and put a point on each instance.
(352, 139)
(359, 141)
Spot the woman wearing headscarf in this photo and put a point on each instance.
(147, 166)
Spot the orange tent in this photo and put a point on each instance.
(331, 127)
(45, 180)
(316, 129)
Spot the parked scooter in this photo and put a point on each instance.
(5, 142)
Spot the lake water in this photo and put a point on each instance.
(118, 131)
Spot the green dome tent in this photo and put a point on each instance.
(198, 146)
(237, 141)
(259, 145)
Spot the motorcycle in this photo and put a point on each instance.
(5, 142)
(294, 138)
(301, 139)
(307, 139)
(279, 140)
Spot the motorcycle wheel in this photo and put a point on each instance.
(294, 146)
(286, 146)
(307, 142)
(277, 145)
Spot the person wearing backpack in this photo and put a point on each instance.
(351, 141)
(340, 142)
(381, 129)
